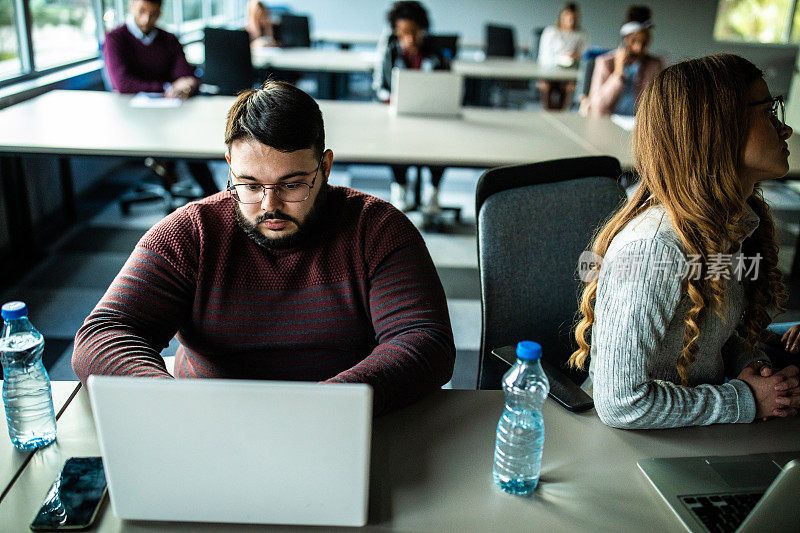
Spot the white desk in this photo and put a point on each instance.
(603, 136)
(345, 39)
(100, 123)
(13, 460)
(512, 69)
(305, 59)
(431, 470)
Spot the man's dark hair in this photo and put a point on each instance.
(409, 11)
(156, 2)
(278, 115)
(638, 14)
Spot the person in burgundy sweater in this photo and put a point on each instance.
(142, 58)
(282, 276)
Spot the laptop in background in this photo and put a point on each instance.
(744, 493)
(260, 452)
(428, 93)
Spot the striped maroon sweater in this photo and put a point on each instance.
(359, 301)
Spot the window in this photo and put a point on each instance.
(64, 31)
(764, 21)
(10, 64)
(192, 15)
(167, 20)
(111, 17)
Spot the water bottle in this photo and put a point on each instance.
(26, 386)
(520, 432)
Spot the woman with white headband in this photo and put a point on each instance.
(620, 76)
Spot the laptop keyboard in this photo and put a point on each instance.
(722, 513)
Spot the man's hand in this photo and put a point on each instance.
(182, 88)
(791, 339)
(776, 393)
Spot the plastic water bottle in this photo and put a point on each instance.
(520, 432)
(26, 386)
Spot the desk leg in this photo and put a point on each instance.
(20, 225)
(67, 190)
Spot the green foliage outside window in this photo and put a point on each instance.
(752, 20)
(8, 34)
(59, 12)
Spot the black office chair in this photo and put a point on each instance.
(500, 41)
(293, 32)
(228, 65)
(447, 44)
(534, 221)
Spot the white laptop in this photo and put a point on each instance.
(261, 452)
(743, 493)
(428, 93)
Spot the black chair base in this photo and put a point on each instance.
(164, 188)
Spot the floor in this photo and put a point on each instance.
(63, 288)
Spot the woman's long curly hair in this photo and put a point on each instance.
(691, 128)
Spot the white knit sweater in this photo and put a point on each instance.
(638, 334)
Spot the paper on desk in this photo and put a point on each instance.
(154, 100)
(623, 121)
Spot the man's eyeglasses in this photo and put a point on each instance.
(254, 193)
(778, 109)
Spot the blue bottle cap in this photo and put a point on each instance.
(529, 350)
(14, 310)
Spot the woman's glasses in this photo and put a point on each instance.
(778, 109)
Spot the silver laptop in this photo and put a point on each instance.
(743, 493)
(428, 93)
(241, 451)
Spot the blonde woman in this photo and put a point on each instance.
(673, 330)
(561, 45)
(259, 24)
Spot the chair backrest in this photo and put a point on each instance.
(228, 65)
(587, 69)
(294, 32)
(535, 40)
(447, 44)
(500, 41)
(534, 221)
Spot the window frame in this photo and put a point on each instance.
(232, 12)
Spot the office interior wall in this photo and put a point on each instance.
(683, 28)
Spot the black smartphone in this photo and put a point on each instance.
(562, 388)
(74, 498)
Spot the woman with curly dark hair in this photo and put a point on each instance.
(408, 46)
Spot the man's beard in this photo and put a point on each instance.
(303, 231)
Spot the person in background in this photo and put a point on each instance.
(689, 275)
(139, 57)
(408, 46)
(561, 45)
(259, 24)
(281, 276)
(620, 76)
